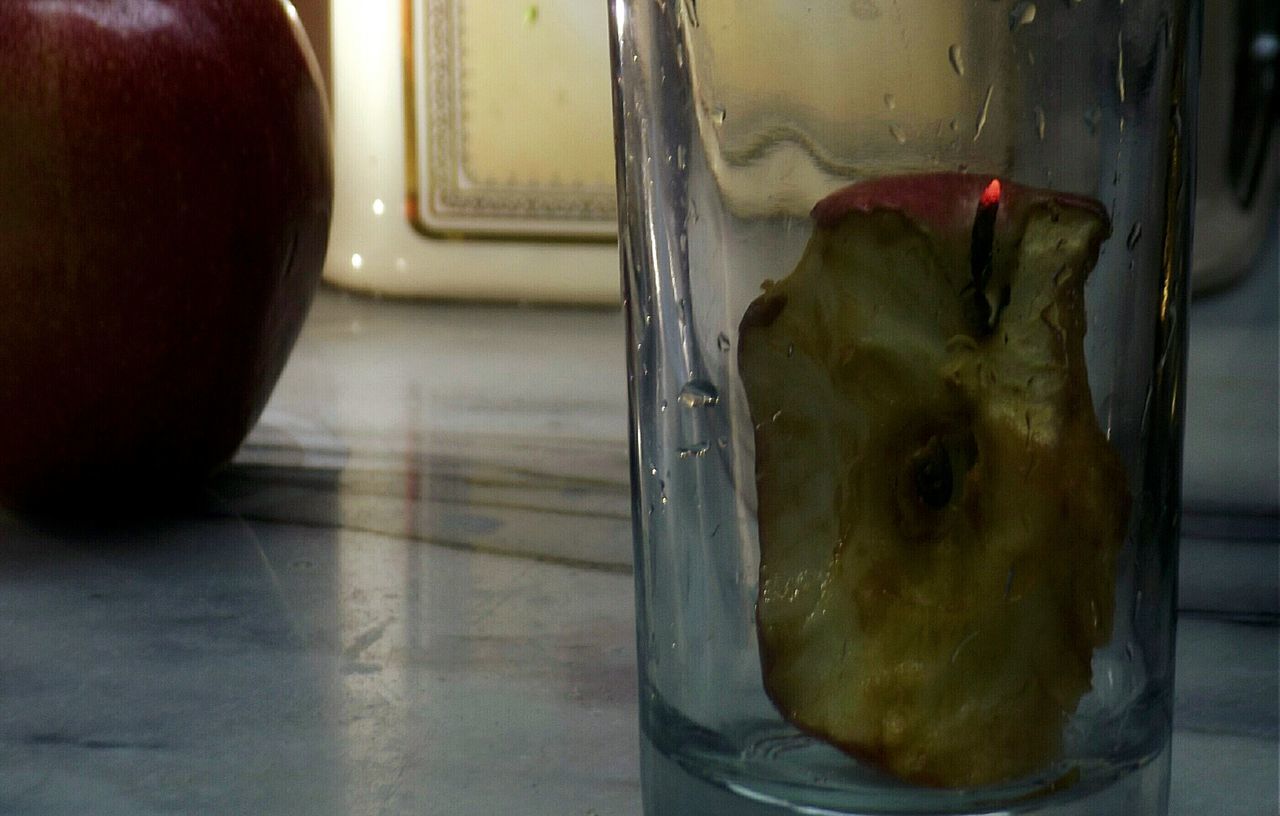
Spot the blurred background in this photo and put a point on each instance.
(428, 94)
(411, 591)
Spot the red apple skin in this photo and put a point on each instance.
(166, 186)
(946, 202)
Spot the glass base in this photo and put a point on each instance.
(672, 790)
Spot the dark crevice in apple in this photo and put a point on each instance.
(931, 472)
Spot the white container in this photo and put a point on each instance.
(474, 148)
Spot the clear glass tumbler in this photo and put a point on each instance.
(904, 282)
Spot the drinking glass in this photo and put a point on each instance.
(906, 320)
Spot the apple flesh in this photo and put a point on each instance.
(165, 196)
(939, 512)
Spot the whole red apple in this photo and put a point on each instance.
(165, 194)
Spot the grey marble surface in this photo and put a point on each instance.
(411, 593)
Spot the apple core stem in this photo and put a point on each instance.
(981, 247)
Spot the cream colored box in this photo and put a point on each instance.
(474, 150)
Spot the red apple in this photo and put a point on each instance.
(165, 195)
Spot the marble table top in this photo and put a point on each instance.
(411, 592)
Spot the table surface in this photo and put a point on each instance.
(411, 593)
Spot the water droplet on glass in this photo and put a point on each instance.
(723, 442)
(357, 261)
(1039, 111)
(684, 244)
(890, 102)
(982, 114)
(722, 342)
(663, 498)
(1024, 13)
(717, 115)
(662, 407)
(777, 415)
(680, 160)
(791, 350)
(1092, 119)
(1120, 65)
(954, 125)
(694, 451)
(698, 394)
(898, 135)
(1135, 235)
(956, 55)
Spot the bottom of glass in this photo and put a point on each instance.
(686, 778)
